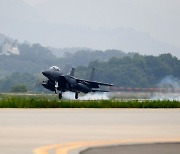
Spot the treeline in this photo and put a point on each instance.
(21, 82)
(84, 57)
(113, 66)
(32, 59)
(136, 71)
(35, 58)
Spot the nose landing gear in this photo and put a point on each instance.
(76, 95)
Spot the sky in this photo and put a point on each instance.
(34, 2)
(159, 18)
(144, 26)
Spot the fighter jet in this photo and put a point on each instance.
(58, 81)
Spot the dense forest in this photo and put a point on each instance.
(35, 58)
(113, 66)
(32, 59)
(84, 57)
(135, 71)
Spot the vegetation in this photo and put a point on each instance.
(32, 59)
(19, 88)
(136, 71)
(84, 57)
(39, 101)
(18, 82)
(35, 58)
(113, 66)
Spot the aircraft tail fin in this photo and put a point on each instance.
(92, 74)
(72, 72)
(67, 69)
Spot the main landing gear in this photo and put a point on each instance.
(60, 95)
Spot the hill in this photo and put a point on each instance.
(25, 22)
(135, 71)
(34, 58)
(113, 66)
(129, 71)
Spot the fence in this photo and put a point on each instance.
(137, 89)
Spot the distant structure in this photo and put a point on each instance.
(9, 48)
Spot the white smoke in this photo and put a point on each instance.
(166, 96)
(68, 95)
(95, 96)
(170, 82)
(172, 89)
(89, 96)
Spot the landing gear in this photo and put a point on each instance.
(76, 95)
(55, 91)
(55, 88)
(60, 95)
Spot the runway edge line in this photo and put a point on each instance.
(76, 147)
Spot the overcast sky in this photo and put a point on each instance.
(159, 18)
(144, 26)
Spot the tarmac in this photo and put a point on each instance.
(161, 148)
(25, 131)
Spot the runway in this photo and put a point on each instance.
(24, 130)
(159, 148)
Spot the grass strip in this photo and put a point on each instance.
(44, 102)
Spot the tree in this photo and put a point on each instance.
(135, 71)
(19, 88)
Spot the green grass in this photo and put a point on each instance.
(51, 101)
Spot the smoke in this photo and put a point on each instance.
(168, 96)
(170, 82)
(89, 96)
(95, 96)
(171, 89)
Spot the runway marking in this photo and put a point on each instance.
(67, 147)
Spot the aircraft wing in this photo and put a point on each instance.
(62, 79)
(94, 84)
(62, 82)
(99, 83)
(65, 79)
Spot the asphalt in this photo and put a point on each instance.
(23, 130)
(161, 148)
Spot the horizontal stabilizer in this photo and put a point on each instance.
(98, 90)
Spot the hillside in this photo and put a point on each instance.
(34, 58)
(136, 71)
(113, 66)
(129, 71)
(25, 22)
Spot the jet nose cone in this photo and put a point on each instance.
(45, 73)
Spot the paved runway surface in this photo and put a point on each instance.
(23, 130)
(171, 148)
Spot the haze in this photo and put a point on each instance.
(147, 27)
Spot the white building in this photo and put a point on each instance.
(9, 48)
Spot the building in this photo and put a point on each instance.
(9, 48)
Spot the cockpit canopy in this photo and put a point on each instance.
(55, 68)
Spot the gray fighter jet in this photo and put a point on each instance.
(58, 81)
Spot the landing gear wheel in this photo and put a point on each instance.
(76, 95)
(60, 95)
